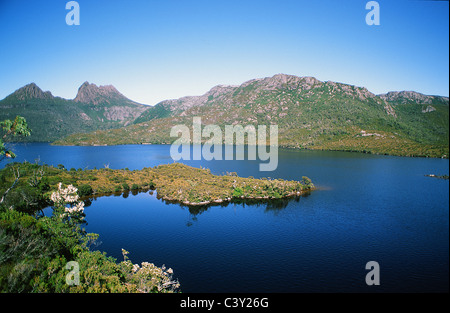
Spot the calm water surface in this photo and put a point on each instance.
(366, 208)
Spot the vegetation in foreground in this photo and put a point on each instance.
(36, 251)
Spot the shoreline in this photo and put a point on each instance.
(287, 147)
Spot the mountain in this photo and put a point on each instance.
(52, 118)
(108, 95)
(309, 113)
(30, 91)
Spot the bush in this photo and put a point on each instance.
(134, 187)
(25, 198)
(237, 192)
(276, 195)
(125, 187)
(307, 182)
(85, 190)
(44, 185)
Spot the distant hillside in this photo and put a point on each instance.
(309, 113)
(52, 118)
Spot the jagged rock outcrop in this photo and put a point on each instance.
(91, 93)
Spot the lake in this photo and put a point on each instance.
(366, 208)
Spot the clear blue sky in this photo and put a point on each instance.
(157, 50)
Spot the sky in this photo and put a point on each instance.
(157, 50)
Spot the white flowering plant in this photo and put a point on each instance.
(66, 204)
(148, 277)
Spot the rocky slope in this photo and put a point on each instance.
(405, 97)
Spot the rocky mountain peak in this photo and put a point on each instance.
(91, 93)
(31, 91)
(279, 81)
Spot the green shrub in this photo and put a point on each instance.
(44, 185)
(85, 190)
(306, 182)
(125, 187)
(134, 187)
(276, 195)
(237, 192)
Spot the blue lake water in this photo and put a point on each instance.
(366, 208)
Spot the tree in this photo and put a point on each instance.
(11, 129)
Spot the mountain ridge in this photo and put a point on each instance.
(310, 113)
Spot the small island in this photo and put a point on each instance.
(437, 176)
(174, 182)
